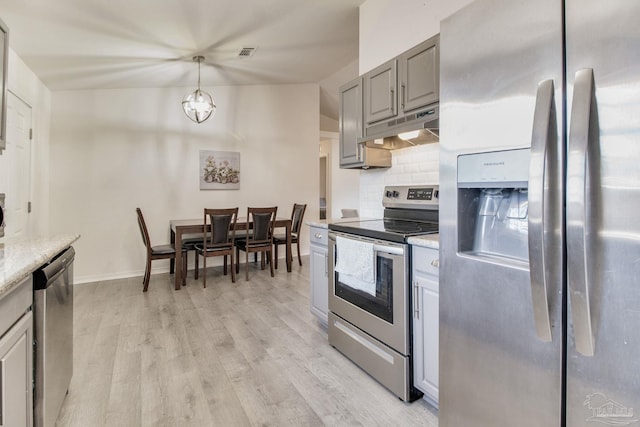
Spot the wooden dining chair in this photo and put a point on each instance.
(157, 252)
(296, 226)
(219, 241)
(258, 239)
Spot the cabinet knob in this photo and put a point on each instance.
(318, 236)
(436, 263)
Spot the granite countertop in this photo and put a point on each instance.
(19, 257)
(426, 241)
(324, 223)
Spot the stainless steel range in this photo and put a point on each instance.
(370, 288)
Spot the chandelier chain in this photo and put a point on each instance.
(199, 60)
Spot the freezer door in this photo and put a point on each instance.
(500, 360)
(603, 205)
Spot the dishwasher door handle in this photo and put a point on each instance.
(50, 272)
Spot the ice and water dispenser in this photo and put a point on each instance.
(493, 204)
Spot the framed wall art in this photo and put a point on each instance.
(219, 170)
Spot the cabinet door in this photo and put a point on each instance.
(16, 367)
(426, 335)
(420, 75)
(380, 92)
(350, 122)
(426, 321)
(319, 282)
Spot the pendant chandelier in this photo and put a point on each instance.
(198, 105)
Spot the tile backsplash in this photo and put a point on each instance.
(415, 165)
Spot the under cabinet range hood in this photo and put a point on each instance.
(417, 128)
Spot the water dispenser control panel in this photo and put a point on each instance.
(493, 204)
(508, 168)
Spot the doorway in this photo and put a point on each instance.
(15, 164)
(323, 187)
(340, 188)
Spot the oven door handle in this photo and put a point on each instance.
(378, 247)
(393, 250)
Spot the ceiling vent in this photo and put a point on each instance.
(246, 52)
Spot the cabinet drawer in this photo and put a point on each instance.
(15, 304)
(425, 260)
(319, 236)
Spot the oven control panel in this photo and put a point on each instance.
(420, 193)
(411, 196)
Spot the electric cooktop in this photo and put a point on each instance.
(409, 211)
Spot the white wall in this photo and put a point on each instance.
(26, 86)
(388, 28)
(344, 184)
(414, 165)
(115, 150)
(328, 124)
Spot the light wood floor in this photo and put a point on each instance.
(243, 354)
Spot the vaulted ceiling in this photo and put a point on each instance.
(98, 44)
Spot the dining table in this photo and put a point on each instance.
(182, 227)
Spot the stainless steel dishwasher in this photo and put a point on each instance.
(53, 324)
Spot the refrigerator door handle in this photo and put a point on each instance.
(582, 116)
(544, 136)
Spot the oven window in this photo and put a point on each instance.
(382, 304)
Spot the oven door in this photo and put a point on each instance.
(385, 316)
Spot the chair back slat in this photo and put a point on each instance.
(223, 225)
(220, 225)
(143, 229)
(263, 220)
(296, 217)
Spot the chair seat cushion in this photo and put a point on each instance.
(189, 246)
(282, 238)
(242, 244)
(242, 235)
(200, 248)
(163, 250)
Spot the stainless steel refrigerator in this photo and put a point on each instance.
(540, 214)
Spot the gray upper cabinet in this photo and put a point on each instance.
(350, 122)
(420, 75)
(380, 92)
(398, 94)
(403, 84)
(352, 154)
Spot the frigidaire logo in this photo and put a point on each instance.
(493, 163)
(608, 411)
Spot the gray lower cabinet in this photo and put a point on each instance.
(16, 357)
(426, 321)
(319, 265)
